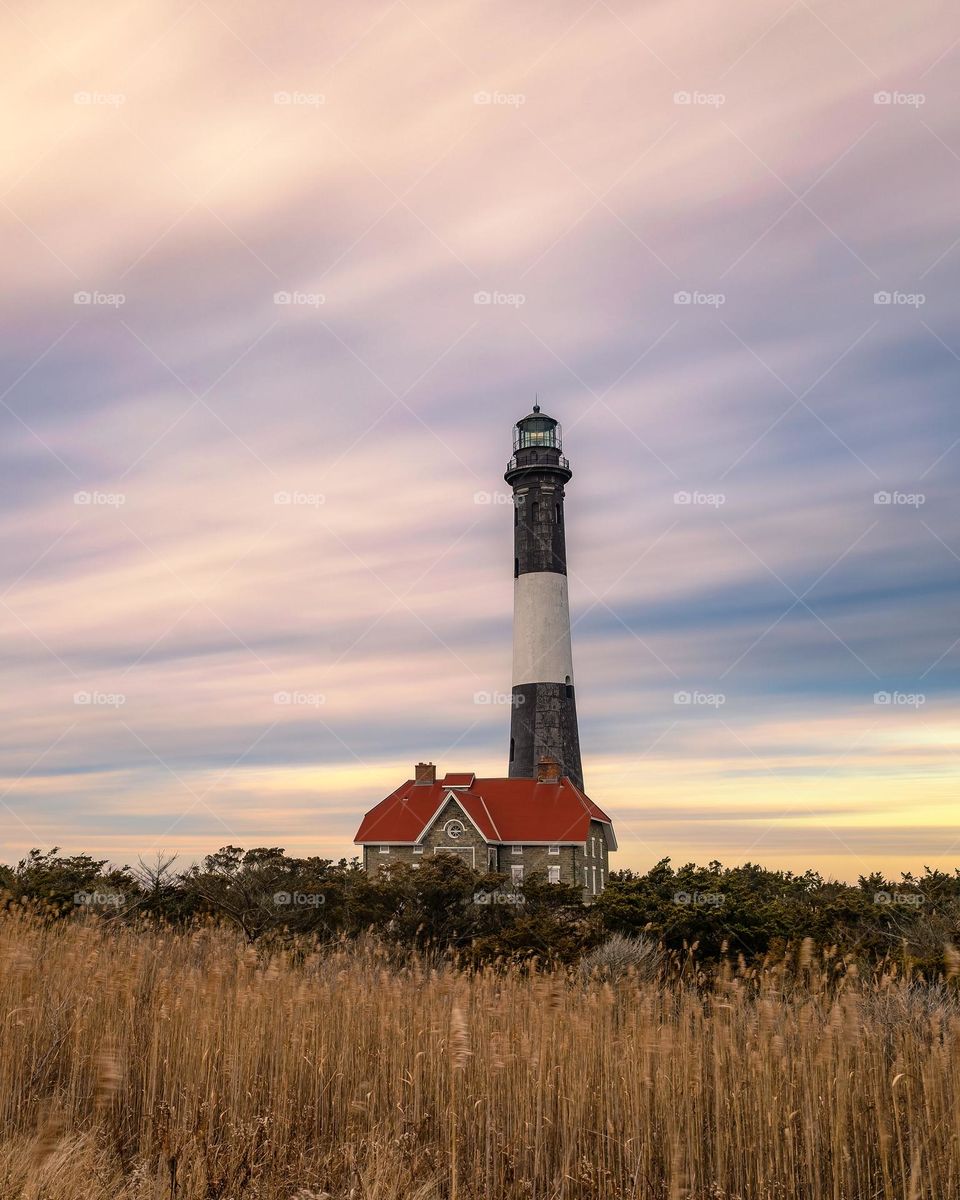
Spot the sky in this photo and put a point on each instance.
(279, 279)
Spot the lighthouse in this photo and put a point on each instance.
(539, 820)
(543, 723)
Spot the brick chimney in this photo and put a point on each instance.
(548, 770)
(425, 773)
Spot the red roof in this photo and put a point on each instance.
(503, 810)
(458, 779)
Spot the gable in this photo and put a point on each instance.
(450, 808)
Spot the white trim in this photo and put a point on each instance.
(553, 847)
(451, 795)
(553, 873)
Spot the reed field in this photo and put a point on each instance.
(146, 1064)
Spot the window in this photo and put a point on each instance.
(516, 873)
(418, 849)
(516, 849)
(553, 874)
(535, 511)
(553, 850)
(594, 880)
(454, 830)
(601, 879)
(511, 749)
(516, 568)
(585, 883)
(384, 849)
(559, 513)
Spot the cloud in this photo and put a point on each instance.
(153, 161)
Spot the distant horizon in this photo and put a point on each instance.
(279, 286)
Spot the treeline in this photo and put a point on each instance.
(713, 912)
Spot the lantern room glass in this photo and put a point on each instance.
(535, 432)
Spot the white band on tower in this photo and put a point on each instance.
(541, 629)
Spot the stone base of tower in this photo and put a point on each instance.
(544, 722)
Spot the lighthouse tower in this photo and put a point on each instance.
(544, 710)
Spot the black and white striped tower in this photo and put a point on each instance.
(544, 711)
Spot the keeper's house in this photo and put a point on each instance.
(513, 826)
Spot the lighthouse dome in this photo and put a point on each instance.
(537, 429)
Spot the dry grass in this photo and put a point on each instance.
(148, 1066)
